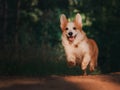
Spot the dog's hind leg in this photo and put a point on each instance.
(93, 64)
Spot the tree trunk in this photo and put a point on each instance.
(17, 27)
(5, 12)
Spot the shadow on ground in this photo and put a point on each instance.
(95, 82)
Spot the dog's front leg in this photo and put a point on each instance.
(71, 60)
(85, 62)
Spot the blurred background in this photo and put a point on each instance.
(30, 35)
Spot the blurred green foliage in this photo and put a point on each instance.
(30, 36)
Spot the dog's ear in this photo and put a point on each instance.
(63, 21)
(78, 20)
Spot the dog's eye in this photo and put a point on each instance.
(74, 28)
(66, 28)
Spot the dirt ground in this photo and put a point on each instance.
(90, 82)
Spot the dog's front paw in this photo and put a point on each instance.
(71, 64)
(84, 65)
(71, 61)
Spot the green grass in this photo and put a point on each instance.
(40, 61)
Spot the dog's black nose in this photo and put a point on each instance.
(70, 33)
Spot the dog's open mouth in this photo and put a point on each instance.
(71, 38)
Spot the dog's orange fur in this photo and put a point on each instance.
(81, 51)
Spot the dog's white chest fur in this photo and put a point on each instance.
(80, 49)
(76, 49)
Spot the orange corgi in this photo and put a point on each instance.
(79, 49)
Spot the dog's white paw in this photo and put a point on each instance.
(84, 65)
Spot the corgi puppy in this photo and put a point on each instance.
(79, 49)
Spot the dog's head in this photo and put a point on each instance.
(71, 29)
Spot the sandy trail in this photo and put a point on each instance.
(90, 82)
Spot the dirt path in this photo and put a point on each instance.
(91, 82)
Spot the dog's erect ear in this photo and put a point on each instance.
(63, 21)
(78, 20)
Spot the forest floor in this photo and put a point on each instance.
(90, 82)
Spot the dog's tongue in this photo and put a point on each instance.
(71, 39)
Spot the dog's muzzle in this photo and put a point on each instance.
(71, 37)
